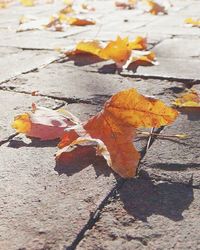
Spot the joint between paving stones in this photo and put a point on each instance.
(64, 99)
(96, 215)
(112, 195)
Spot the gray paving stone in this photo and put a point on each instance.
(12, 104)
(168, 68)
(191, 10)
(61, 81)
(41, 209)
(44, 206)
(176, 160)
(17, 63)
(35, 39)
(177, 68)
(165, 29)
(178, 48)
(148, 215)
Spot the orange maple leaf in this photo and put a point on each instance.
(114, 128)
(80, 21)
(155, 8)
(119, 51)
(189, 99)
(130, 4)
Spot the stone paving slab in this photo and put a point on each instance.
(41, 209)
(172, 68)
(176, 160)
(61, 81)
(44, 206)
(148, 215)
(38, 40)
(13, 104)
(48, 204)
(24, 61)
(168, 68)
(178, 48)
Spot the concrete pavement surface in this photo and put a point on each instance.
(87, 206)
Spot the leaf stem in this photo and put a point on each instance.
(179, 136)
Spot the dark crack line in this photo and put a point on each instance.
(113, 194)
(187, 81)
(67, 100)
(96, 215)
(26, 48)
(32, 70)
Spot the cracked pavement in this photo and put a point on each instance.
(45, 207)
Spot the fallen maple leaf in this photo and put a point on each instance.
(130, 4)
(79, 21)
(155, 8)
(59, 21)
(114, 128)
(43, 123)
(120, 50)
(144, 58)
(193, 22)
(189, 99)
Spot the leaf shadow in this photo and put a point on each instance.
(109, 69)
(83, 59)
(192, 113)
(112, 69)
(36, 143)
(143, 198)
(79, 159)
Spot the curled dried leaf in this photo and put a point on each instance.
(43, 123)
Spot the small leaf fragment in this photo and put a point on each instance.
(130, 4)
(190, 98)
(193, 22)
(155, 8)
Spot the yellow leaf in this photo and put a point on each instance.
(155, 8)
(27, 3)
(193, 22)
(140, 43)
(189, 99)
(22, 123)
